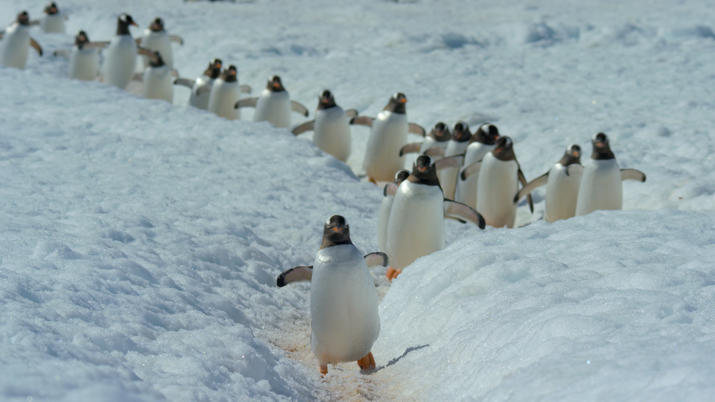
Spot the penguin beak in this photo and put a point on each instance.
(133, 23)
(403, 100)
(336, 229)
(422, 168)
(276, 85)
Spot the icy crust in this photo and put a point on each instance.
(613, 305)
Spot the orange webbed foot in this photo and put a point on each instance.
(392, 273)
(367, 362)
(371, 180)
(323, 369)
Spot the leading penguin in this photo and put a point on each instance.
(562, 183)
(601, 186)
(416, 224)
(481, 143)
(273, 105)
(120, 57)
(388, 134)
(16, 41)
(344, 316)
(331, 127)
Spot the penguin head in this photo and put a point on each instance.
(123, 23)
(81, 39)
(601, 147)
(157, 25)
(571, 156)
(423, 167)
(155, 60)
(214, 68)
(335, 232)
(275, 84)
(230, 74)
(486, 134)
(461, 133)
(23, 18)
(504, 149)
(440, 132)
(397, 103)
(51, 9)
(401, 176)
(326, 100)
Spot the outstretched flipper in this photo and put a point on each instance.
(390, 189)
(415, 128)
(144, 51)
(351, 113)
(62, 53)
(184, 82)
(453, 161)
(36, 46)
(362, 121)
(246, 102)
(632, 174)
(299, 108)
(176, 38)
(534, 184)
(377, 258)
(410, 148)
(96, 45)
(523, 181)
(457, 210)
(470, 170)
(303, 127)
(246, 89)
(296, 274)
(434, 151)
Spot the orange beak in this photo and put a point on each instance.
(276, 85)
(335, 229)
(403, 100)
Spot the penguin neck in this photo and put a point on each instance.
(123, 28)
(396, 107)
(602, 153)
(504, 154)
(569, 159)
(441, 136)
(328, 242)
(323, 105)
(427, 180)
(229, 78)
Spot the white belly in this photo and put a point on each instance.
(84, 64)
(497, 187)
(224, 96)
(332, 132)
(53, 23)
(467, 189)
(382, 155)
(600, 187)
(273, 107)
(448, 177)
(158, 83)
(416, 224)
(383, 219)
(119, 61)
(201, 101)
(343, 306)
(562, 192)
(158, 42)
(15, 46)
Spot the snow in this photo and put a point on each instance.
(141, 240)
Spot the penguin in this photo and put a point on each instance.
(481, 143)
(344, 317)
(416, 224)
(158, 80)
(157, 39)
(455, 146)
(601, 186)
(499, 178)
(388, 134)
(84, 61)
(331, 128)
(273, 105)
(434, 144)
(15, 42)
(224, 94)
(120, 57)
(562, 183)
(383, 214)
(53, 21)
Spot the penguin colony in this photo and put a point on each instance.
(458, 175)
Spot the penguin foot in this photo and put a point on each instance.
(392, 273)
(323, 369)
(367, 362)
(371, 180)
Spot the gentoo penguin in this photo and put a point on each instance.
(120, 57)
(416, 224)
(388, 134)
(481, 143)
(201, 86)
(84, 61)
(158, 80)
(383, 214)
(331, 127)
(273, 105)
(562, 183)
(53, 21)
(157, 39)
(344, 317)
(15, 42)
(224, 94)
(499, 178)
(456, 146)
(434, 144)
(601, 186)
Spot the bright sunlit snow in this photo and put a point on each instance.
(141, 240)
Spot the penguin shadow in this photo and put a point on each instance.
(397, 359)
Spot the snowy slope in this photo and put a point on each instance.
(141, 240)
